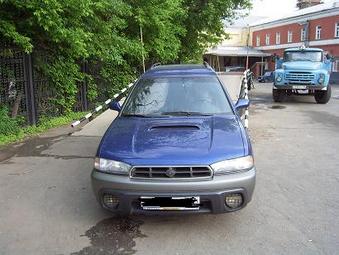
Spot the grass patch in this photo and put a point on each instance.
(10, 130)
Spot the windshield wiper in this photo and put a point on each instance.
(141, 115)
(135, 115)
(186, 113)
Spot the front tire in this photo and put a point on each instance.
(278, 95)
(322, 96)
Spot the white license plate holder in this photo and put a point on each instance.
(170, 203)
(299, 87)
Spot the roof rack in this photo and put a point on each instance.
(155, 65)
(208, 66)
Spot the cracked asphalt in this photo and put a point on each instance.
(47, 206)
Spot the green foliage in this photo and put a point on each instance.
(8, 125)
(205, 26)
(105, 34)
(11, 131)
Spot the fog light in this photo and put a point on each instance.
(233, 201)
(111, 201)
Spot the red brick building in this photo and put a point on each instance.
(316, 26)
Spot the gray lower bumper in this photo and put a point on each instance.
(292, 87)
(212, 192)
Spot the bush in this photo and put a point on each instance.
(11, 130)
(8, 125)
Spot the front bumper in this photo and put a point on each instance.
(211, 192)
(294, 87)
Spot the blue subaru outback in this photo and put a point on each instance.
(177, 146)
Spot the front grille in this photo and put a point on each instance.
(171, 172)
(300, 77)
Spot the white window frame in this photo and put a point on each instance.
(277, 38)
(318, 32)
(289, 36)
(258, 41)
(336, 30)
(267, 41)
(303, 34)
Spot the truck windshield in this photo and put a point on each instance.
(315, 56)
(177, 96)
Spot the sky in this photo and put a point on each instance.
(273, 8)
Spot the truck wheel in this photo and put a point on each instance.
(322, 96)
(278, 95)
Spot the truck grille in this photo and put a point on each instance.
(171, 172)
(300, 77)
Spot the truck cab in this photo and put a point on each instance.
(303, 71)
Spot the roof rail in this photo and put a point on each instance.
(155, 65)
(208, 66)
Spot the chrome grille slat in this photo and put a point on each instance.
(176, 172)
(299, 77)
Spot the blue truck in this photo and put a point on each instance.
(303, 71)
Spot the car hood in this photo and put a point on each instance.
(302, 65)
(173, 141)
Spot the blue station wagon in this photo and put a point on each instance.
(177, 146)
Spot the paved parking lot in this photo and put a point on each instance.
(47, 206)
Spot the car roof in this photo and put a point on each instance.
(179, 70)
(303, 49)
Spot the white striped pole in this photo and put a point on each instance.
(101, 107)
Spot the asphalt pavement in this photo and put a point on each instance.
(47, 206)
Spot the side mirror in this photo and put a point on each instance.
(329, 58)
(242, 104)
(115, 106)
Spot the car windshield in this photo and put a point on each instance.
(315, 56)
(182, 96)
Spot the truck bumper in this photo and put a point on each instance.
(300, 87)
(212, 193)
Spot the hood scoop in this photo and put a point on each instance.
(174, 127)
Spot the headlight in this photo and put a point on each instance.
(321, 79)
(279, 77)
(111, 166)
(233, 165)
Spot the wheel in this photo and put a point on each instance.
(278, 95)
(323, 96)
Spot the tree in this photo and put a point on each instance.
(204, 24)
(105, 35)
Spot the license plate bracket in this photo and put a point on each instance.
(170, 203)
(299, 87)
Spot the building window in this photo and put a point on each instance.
(289, 36)
(258, 40)
(277, 38)
(267, 39)
(336, 30)
(303, 34)
(318, 33)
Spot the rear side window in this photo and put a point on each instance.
(178, 94)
